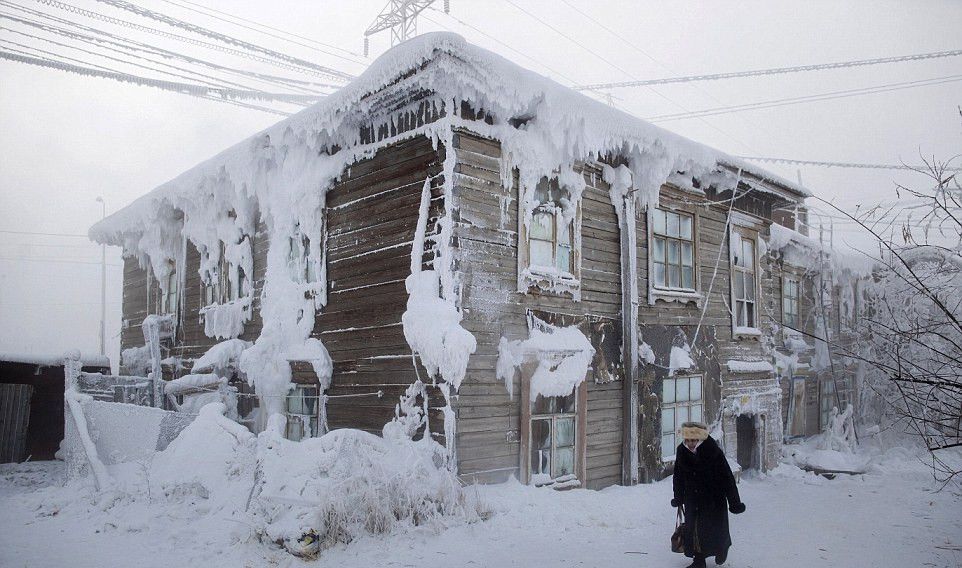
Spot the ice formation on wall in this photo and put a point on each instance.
(280, 177)
(563, 354)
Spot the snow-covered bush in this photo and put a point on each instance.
(322, 491)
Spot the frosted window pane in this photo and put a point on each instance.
(564, 258)
(541, 434)
(668, 445)
(696, 389)
(542, 226)
(564, 462)
(659, 274)
(681, 390)
(658, 219)
(673, 252)
(565, 433)
(696, 413)
(749, 287)
(668, 391)
(674, 276)
(541, 461)
(681, 416)
(667, 420)
(685, 227)
(748, 253)
(739, 285)
(687, 256)
(565, 404)
(658, 250)
(672, 225)
(541, 253)
(687, 277)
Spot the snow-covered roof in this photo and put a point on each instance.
(453, 70)
(52, 359)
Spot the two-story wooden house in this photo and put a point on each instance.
(554, 284)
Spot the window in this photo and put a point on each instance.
(681, 401)
(302, 412)
(673, 250)
(743, 280)
(300, 265)
(168, 300)
(826, 402)
(790, 303)
(226, 282)
(553, 435)
(552, 234)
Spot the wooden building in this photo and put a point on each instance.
(653, 247)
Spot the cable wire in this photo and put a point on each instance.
(839, 164)
(807, 98)
(773, 71)
(174, 22)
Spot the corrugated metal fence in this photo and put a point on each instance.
(14, 420)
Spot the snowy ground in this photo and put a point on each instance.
(891, 517)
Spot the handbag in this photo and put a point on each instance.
(678, 537)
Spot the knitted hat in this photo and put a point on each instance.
(694, 431)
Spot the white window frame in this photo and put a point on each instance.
(751, 328)
(667, 238)
(793, 301)
(672, 404)
(531, 275)
(302, 425)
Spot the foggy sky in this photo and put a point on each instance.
(66, 139)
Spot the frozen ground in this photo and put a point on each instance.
(890, 517)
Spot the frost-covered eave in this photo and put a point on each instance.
(458, 71)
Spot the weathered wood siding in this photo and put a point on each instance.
(372, 215)
(140, 298)
(486, 257)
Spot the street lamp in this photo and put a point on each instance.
(103, 284)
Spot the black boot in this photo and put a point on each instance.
(699, 562)
(721, 557)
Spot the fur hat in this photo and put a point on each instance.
(694, 431)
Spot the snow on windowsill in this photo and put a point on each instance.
(735, 366)
(549, 279)
(669, 295)
(742, 332)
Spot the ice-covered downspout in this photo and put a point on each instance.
(621, 194)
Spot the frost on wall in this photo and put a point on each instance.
(563, 355)
(280, 177)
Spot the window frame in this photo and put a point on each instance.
(751, 328)
(581, 424)
(787, 281)
(229, 283)
(676, 404)
(313, 425)
(531, 275)
(654, 235)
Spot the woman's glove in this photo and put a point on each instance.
(737, 508)
(675, 503)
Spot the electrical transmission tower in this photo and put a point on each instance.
(401, 17)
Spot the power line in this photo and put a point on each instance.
(602, 58)
(807, 98)
(174, 22)
(212, 93)
(204, 9)
(773, 71)
(841, 164)
(54, 260)
(34, 233)
(176, 37)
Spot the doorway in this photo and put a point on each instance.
(747, 438)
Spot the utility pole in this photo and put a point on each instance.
(401, 17)
(103, 285)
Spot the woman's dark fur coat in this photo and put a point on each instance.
(704, 484)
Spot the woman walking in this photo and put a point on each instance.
(704, 485)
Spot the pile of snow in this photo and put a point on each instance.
(736, 366)
(323, 491)
(193, 382)
(680, 359)
(51, 359)
(136, 360)
(211, 459)
(835, 449)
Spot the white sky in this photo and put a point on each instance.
(65, 139)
